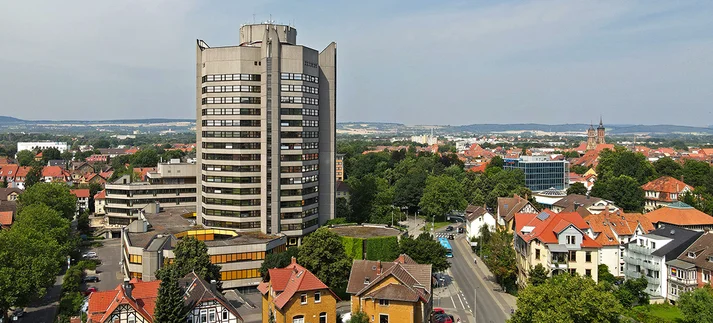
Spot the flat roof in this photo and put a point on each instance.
(361, 231)
(171, 221)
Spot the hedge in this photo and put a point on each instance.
(382, 248)
(354, 247)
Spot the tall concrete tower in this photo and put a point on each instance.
(266, 125)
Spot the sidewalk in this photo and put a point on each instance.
(483, 272)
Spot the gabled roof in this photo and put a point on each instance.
(4, 192)
(666, 184)
(680, 240)
(547, 225)
(80, 192)
(101, 195)
(415, 279)
(610, 225)
(473, 212)
(508, 206)
(53, 171)
(6, 218)
(9, 170)
(394, 292)
(142, 300)
(343, 187)
(295, 279)
(682, 215)
(197, 291)
(22, 171)
(703, 247)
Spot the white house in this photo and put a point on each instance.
(476, 217)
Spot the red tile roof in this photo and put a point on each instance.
(666, 184)
(547, 230)
(80, 192)
(291, 280)
(143, 299)
(100, 195)
(53, 171)
(98, 303)
(9, 171)
(6, 218)
(22, 171)
(480, 168)
(610, 225)
(680, 216)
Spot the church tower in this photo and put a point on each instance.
(600, 132)
(591, 138)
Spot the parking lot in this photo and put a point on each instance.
(109, 271)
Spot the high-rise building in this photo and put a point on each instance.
(266, 125)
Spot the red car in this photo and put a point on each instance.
(90, 290)
(438, 310)
(443, 318)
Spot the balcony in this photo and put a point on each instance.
(684, 281)
(640, 249)
(653, 281)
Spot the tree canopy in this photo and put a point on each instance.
(425, 250)
(191, 255)
(55, 195)
(613, 164)
(277, 260)
(667, 167)
(170, 307)
(537, 275)
(697, 305)
(625, 191)
(442, 195)
(25, 157)
(577, 188)
(323, 254)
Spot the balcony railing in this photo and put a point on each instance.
(640, 249)
(684, 281)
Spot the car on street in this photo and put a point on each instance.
(443, 318)
(90, 279)
(438, 310)
(89, 291)
(90, 255)
(449, 228)
(461, 230)
(18, 313)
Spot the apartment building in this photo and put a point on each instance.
(339, 168)
(692, 269)
(647, 255)
(42, 145)
(558, 242)
(171, 184)
(681, 215)
(663, 191)
(266, 129)
(613, 230)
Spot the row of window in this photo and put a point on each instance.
(135, 259)
(232, 100)
(300, 146)
(231, 134)
(231, 111)
(229, 179)
(237, 257)
(214, 201)
(298, 215)
(298, 180)
(298, 192)
(298, 112)
(231, 88)
(232, 168)
(231, 77)
(299, 123)
(231, 145)
(234, 214)
(299, 134)
(143, 202)
(154, 191)
(234, 225)
(299, 169)
(299, 88)
(239, 274)
(232, 191)
(231, 123)
(243, 157)
(302, 157)
(302, 203)
(298, 226)
(299, 100)
(310, 64)
(299, 77)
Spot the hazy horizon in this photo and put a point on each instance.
(411, 62)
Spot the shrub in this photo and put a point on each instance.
(353, 247)
(382, 248)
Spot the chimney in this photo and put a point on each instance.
(293, 261)
(378, 267)
(128, 287)
(213, 284)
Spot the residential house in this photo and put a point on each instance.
(57, 162)
(7, 213)
(54, 174)
(92, 178)
(681, 215)
(98, 159)
(583, 204)
(294, 294)
(9, 194)
(390, 292)
(18, 181)
(476, 218)
(82, 168)
(100, 202)
(692, 269)
(647, 255)
(509, 206)
(343, 190)
(663, 191)
(8, 172)
(558, 242)
(134, 301)
(613, 230)
(82, 195)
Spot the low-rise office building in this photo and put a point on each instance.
(541, 173)
(147, 244)
(171, 184)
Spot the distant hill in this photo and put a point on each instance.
(10, 120)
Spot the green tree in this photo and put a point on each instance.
(359, 317)
(370, 198)
(623, 190)
(538, 275)
(191, 255)
(442, 195)
(25, 157)
(55, 195)
(101, 143)
(83, 223)
(34, 176)
(170, 307)
(4, 182)
(695, 173)
(667, 167)
(323, 254)
(408, 190)
(496, 162)
(500, 258)
(51, 154)
(697, 305)
(604, 274)
(579, 169)
(67, 155)
(277, 260)
(565, 298)
(425, 250)
(613, 164)
(577, 188)
(145, 158)
(633, 292)
(341, 208)
(42, 218)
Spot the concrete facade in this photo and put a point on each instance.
(266, 125)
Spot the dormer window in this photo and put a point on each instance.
(692, 254)
(710, 259)
(366, 280)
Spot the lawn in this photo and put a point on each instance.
(437, 225)
(656, 313)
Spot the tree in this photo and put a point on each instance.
(500, 258)
(323, 254)
(613, 164)
(577, 188)
(667, 167)
(633, 292)
(359, 317)
(604, 274)
(695, 173)
(67, 155)
(697, 305)
(191, 256)
(145, 158)
(277, 260)
(565, 298)
(623, 190)
(425, 250)
(371, 198)
(442, 195)
(170, 307)
(51, 154)
(4, 182)
(25, 157)
(496, 162)
(34, 176)
(83, 223)
(341, 208)
(538, 275)
(579, 169)
(50, 222)
(102, 143)
(408, 190)
(55, 195)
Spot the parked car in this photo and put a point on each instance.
(449, 228)
(443, 318)
(438, 310)
(18, 313)
(90, 279)
(451, 237)
(461, 230)
(89, 291)
(90, 255)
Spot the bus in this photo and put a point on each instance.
(445, 244)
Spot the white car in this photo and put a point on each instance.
(90, 254)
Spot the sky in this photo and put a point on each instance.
(413, 62)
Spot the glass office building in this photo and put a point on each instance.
(541, 173)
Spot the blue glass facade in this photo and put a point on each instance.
(540, 172)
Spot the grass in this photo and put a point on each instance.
(436, 225)
(656, 313)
